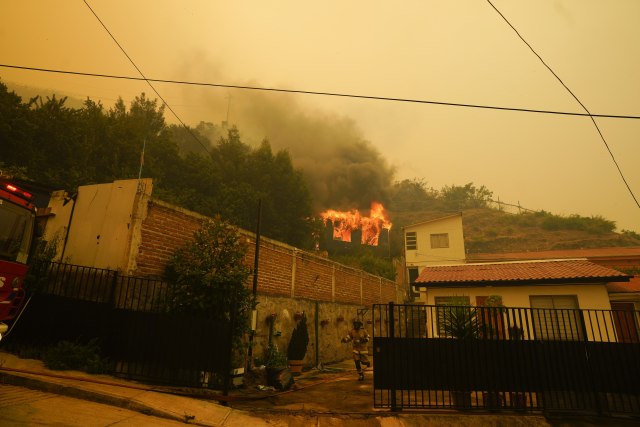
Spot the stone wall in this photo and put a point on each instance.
(334, 322)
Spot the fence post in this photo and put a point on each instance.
(317, 333)
(112, 291)
(226, 376)
(587, 355)
(392, 361)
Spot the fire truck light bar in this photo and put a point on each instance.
(18, 191)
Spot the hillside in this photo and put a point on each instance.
(490, 230)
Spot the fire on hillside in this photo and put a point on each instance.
(345, 222)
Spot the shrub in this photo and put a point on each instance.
(631, 233)
(459, 320)
(593, 225)
(68, 355)
(207, 277)
(273, 358)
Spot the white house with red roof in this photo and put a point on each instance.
(622, 295)
(574, 283)
(566, 285)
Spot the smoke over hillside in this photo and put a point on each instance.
(343, 169)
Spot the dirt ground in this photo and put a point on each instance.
(333, 389)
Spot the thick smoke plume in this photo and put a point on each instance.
(343, 169)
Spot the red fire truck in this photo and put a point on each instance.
(17, 230)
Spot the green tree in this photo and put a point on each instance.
(465, 197)
(412, 195)
(207, 276)
(247, 175)
(128, 132)
(286, 202)
(15, 129)
(60, 152)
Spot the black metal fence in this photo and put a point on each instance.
(496, 358)
(127, 317)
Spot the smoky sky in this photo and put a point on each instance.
(342, 169)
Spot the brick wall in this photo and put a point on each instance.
(283, 270)
(164, 229)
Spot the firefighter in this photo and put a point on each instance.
(359, 338)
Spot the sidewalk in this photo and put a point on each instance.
(331, 397)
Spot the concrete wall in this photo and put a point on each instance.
(57, 222)
(100, 224)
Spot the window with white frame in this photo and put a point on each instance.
(556, 317)
(439, 240)
(411, 240)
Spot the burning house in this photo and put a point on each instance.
(344, 230)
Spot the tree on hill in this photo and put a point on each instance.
(65, 147)
(467, 196)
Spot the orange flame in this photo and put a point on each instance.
(344, 222)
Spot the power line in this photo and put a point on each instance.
(309, 92)
(144, 78)
(574, 97)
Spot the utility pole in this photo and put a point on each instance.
(254, 314)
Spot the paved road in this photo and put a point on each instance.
(24, 407)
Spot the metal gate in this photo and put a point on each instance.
(497, 358)
(125, 316)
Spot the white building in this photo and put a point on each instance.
(438, 241)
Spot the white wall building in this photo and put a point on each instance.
(438, 241)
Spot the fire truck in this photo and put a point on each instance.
(17, 232)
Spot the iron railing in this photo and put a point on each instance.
(127, 316)
(498, 358)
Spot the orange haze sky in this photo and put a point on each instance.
(458, 52)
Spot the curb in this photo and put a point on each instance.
(79, 393)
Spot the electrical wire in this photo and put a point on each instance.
(591, 116)
(335, 94)
(145, 79)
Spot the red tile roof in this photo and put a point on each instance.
(629, 251)
(526, 272)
